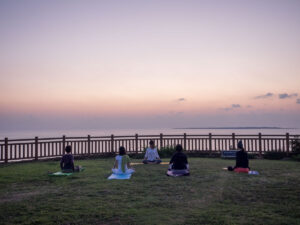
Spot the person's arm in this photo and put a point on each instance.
(172, 159)
(115, 164)
(146, 155)
(185, 160)
(62, 163)
(73, 163)
(247, 160)
(156, 154)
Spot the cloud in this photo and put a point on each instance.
(298, 101)
(236, 106)
(285, 95)
(268, 95)
(181, 99)
(233, 106)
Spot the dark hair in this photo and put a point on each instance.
(151, 142)
(68, 148)
(122, 151)
(240, 145)
(178, 148)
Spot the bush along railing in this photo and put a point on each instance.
(38, 148)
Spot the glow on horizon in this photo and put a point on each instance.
(139, 58)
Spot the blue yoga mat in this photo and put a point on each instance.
(119, 176)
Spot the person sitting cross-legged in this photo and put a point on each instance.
(242, 162)
(122, 163)
(67, 162)
(151, 156)
(178, 164)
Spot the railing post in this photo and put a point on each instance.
(89, 144)
(112, 143)
(287, 143)
(63, 144)
(6, 150)
(210, 142)
(184, 141)
(161, 140)
(36, 142)
(136, 143)
(259, 144)
(233, 140)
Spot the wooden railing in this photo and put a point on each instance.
(37, 148)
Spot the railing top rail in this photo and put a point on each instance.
(22, 139)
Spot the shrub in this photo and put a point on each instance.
(296, 157)
(167, 151)
(136, 155)
(274, 155)
(296, 145)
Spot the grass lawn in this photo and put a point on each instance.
(209, 196)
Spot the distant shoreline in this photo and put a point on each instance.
(231, 128)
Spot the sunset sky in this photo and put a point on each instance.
(148, 63)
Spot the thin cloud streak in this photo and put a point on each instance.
(268, 95)
(285, 95)
(236, 106)
(233, 106)
(181, 99)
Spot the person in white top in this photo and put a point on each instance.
(122, 163)
(151, 156)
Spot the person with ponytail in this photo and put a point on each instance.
(122, 163)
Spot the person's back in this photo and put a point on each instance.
(178, 164)
(179, 161)
(242, 159)
(120, 159)
(242, 162)
(67, 161)
(122, 163)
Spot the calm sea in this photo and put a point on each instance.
(107, 132)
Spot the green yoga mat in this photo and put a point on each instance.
(59, 173)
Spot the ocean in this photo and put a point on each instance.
(140, 131)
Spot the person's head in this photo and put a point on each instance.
(151, 143)
(122, 151)
(178, 148)
(68, 148)
(240, 145)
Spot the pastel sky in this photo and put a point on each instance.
(164, 63)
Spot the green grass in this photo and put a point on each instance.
(209, 196)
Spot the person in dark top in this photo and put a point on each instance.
(178, 164)
(67, 161)
(241, 158)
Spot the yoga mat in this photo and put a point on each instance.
(170, 174)
(119, 176)
(162, 163)
(59, 174)
(252, 172)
